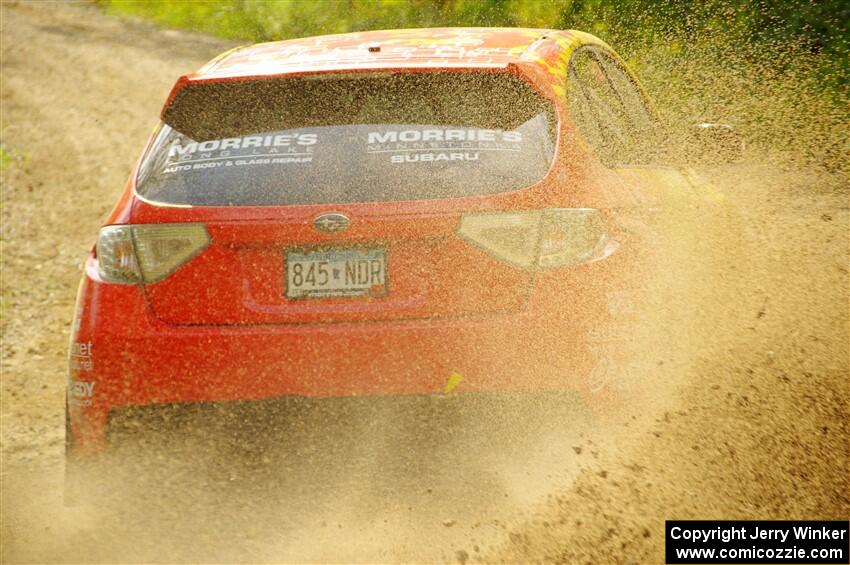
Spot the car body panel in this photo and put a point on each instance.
(181, 340)
(469, 46)
(428, 269)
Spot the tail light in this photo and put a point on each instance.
(539, 239)
(147, 253)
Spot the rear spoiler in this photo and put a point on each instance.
(210, 107)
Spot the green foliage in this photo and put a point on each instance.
(766, 67)
(5, 158)
(8, 157)
(761, 29)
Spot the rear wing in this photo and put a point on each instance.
(217, 108)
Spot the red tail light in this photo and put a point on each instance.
(540, 239)
(147, 253)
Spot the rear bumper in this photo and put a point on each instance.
(123, 356)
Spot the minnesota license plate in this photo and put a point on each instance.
(324, 273)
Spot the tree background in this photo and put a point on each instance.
(713, 60)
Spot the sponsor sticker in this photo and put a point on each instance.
(81, 356)
(434, 145)
(272, 149)
(80, 392)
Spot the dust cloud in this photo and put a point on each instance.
(733, 395)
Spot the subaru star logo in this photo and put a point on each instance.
(331, 223)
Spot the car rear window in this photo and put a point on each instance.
(355, 137)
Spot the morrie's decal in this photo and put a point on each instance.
(177, 148)
(433, 144)
(433, 157)
(80, 392)
(223, 162)
(270, 149)
(433, 134)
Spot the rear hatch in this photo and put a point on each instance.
(356, 185)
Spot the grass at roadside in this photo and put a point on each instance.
(5, 159)
(10, 157)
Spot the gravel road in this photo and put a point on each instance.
(748, 418)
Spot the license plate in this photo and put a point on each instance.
(324, 273)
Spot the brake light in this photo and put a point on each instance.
(512, 237)
(147, 253)
(116, 260)
(539, 239)
(571, 237)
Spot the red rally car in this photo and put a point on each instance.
(411, 212)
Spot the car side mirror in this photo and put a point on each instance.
(714, 144)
